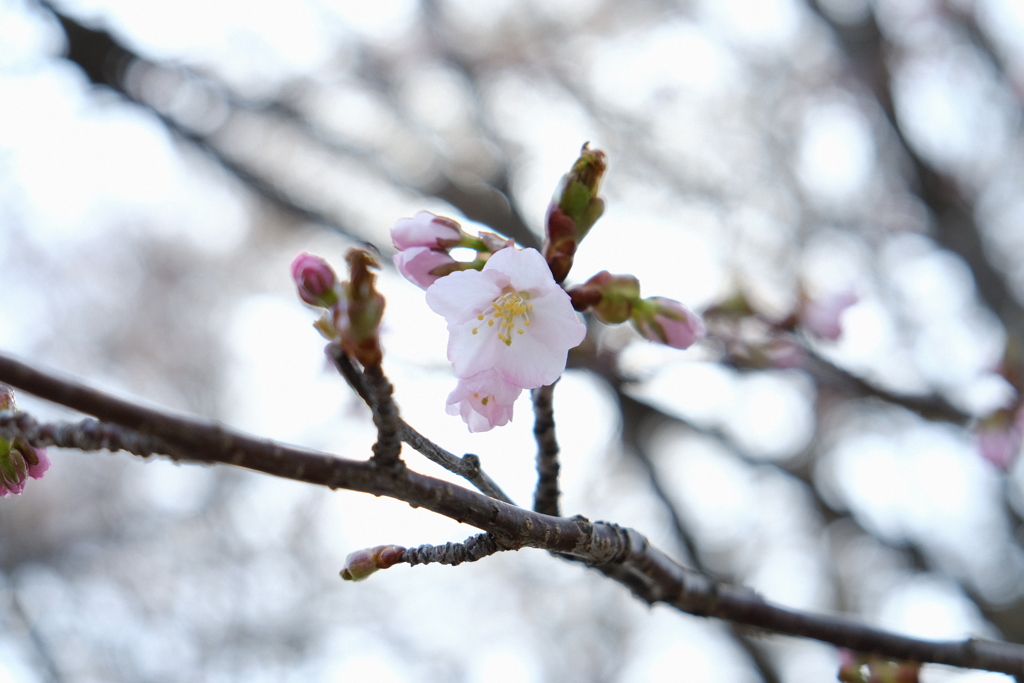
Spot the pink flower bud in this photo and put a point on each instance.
(850, 664)
(315, 279)
(18, 461)
(667, 321)
(362, 563)
(418, 264)
(426, 230)
(358, 565)
(41, 463)
(823, 317)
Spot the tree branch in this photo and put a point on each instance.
(622, 554)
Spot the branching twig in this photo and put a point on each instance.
(545, 498)
(467, 467)
(472, 549)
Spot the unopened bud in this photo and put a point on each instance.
(315, 280)
(667, 321)
(426, 230)
(573, 211)
(619, 293)
(423, 266)
(856, 667)
(362, 563)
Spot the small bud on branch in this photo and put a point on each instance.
(362, 563)
(573, 210)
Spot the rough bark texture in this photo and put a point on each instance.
(545, 497)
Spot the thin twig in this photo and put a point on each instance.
(472, 549)
(467, 467)
(545, 497)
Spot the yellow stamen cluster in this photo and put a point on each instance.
(505, 310)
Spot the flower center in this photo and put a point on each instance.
(505, 313)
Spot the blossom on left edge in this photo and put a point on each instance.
(18, 460)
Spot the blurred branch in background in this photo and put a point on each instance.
(764, 155)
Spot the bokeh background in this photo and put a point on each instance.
(162, 162)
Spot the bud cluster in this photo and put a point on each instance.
(615, 299)
(424, 244)
(510, 319)
(353, 308)
(18, 460)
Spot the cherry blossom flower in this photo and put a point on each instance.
(667, 321)
(510, 317)
(484, 401)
